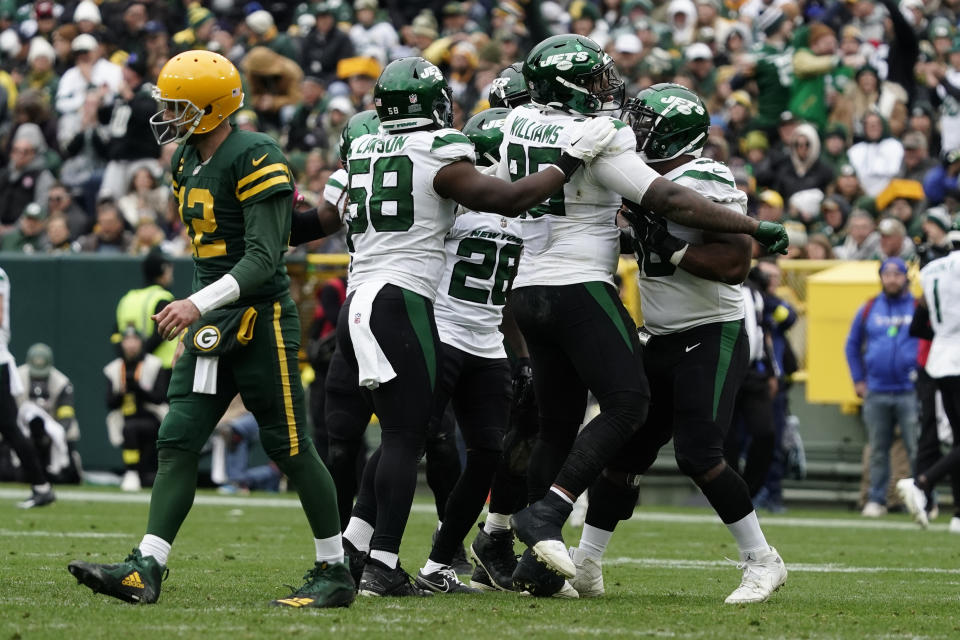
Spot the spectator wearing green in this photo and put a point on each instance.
(264, 33)
(772, 69)
(29, 236)
(813, 63)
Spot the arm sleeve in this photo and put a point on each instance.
(920, 325)
(625, 174)
(854, 347)
(807, 64)
(266, 225)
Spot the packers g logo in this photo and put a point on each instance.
(564, 61)
(206, 338)
(681, 105)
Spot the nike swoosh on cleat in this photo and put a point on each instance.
(442, 587)
(691, 348)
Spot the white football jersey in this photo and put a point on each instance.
(673, 299)
(335, 191)
(941, 288)
(573, 236)
(483, 251)
(5, 322)
(396, 221)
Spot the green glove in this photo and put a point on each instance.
(773, 236)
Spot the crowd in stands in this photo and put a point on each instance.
(839, 117)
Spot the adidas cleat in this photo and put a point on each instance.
(539, 527)
(326, 585)
(379, 580)
(493, 553)
(137, 579)
(442, 581)
(534, 578)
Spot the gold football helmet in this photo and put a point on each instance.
(196, 91)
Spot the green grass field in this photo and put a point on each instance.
(665, 572)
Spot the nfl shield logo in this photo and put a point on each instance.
(413, 98)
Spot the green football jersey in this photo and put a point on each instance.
(217, 200)
(774, 77)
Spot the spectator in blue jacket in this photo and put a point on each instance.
(883, 359)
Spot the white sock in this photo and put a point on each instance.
(746, 531)
(359, 533)
(387, 558)
(155, 546)
(496, 522)
(329, 549)
(562, 495)
(42, 488)
(432, 567)
(594, 541)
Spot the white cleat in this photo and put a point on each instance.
(567, 592)
(553, 553)
(589, 579)
(130, 481)
(873, 510)
(914, 500)
(763, 573)
(954, 525)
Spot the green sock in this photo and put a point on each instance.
(173, 492)
(314, 485)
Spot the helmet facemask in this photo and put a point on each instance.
(186, 116)
(605, 87)
(643, 120)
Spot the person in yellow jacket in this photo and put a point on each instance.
(138, 305)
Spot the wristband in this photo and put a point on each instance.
(568, 164)
(215, 295)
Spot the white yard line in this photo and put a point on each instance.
(33, 533)
(791, 566)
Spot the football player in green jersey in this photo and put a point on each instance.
(239, 330)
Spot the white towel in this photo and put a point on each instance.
(372, 362)
(205, 375)
(59, 453)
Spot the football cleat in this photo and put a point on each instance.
(873, 510)
(137, 579)
(589, 579)
(325, 585)
(915, 500)
(442, 581)
(533, 578)
(357, 560)
(379, 580)
(539, 527)
(480, 580)
(38, 499)
(494, 556)
(954, 526)
(763, 573)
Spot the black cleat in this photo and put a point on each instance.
(534, 578)
(493, 554)
(442, 581)
(326, 585)
(539, 526)
(137, 579)
(480, 580)
(379, 580)
(357, 560)
(38, 499)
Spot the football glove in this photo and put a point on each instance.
(773, 236)
(523, 395)
(651, 234)
(594, 138)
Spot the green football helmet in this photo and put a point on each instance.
(508, 89)
(359, 124)
(572, 73)
(669, 120)
(485, 131)
(411, 93)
